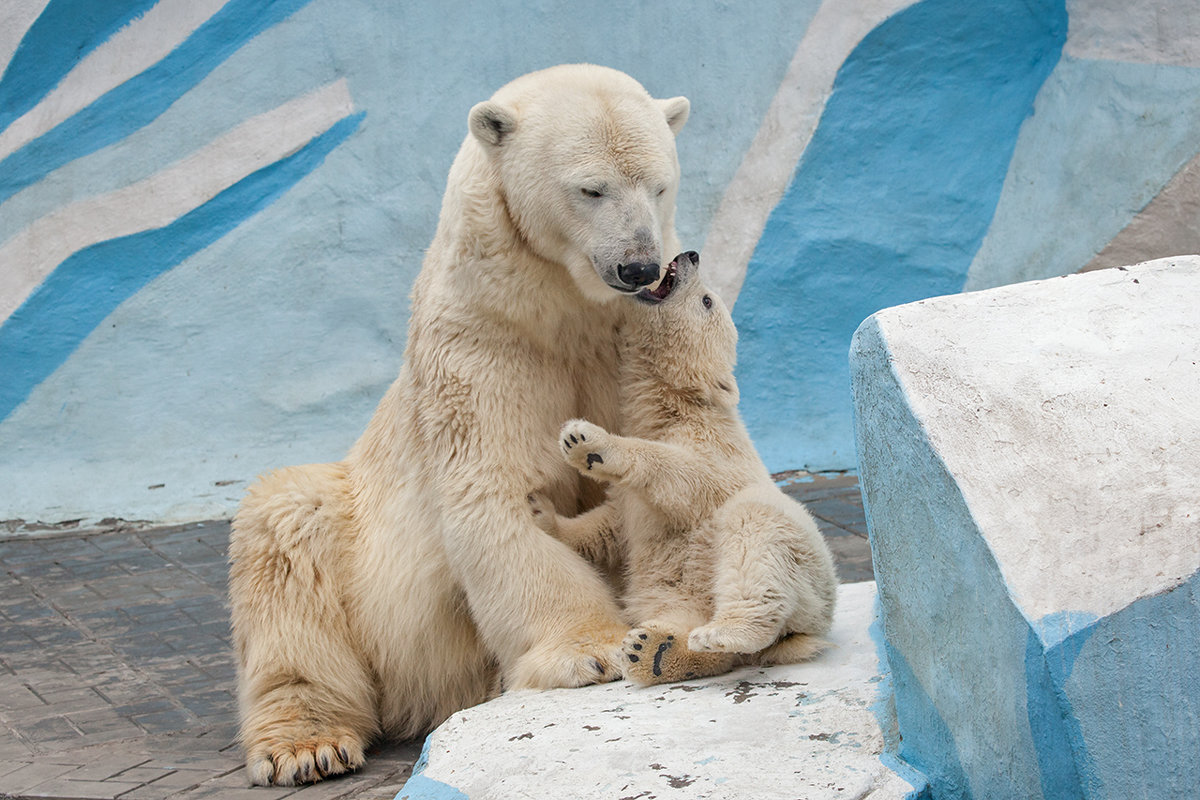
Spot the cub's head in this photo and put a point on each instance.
(681, 333)
(586, 165)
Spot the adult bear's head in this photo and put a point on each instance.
(585, 163)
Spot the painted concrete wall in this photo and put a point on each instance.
(1028, 458)
(211, 211)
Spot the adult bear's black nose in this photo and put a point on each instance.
(637, 273)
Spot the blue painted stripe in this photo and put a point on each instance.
(64, 33)
(1057, 739)
(937, 757)
(141, 99)
(889, 204)
(1135, 698)
(86, 287)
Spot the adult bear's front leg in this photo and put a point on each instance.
(546, 614)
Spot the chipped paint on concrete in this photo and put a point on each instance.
(803, 730)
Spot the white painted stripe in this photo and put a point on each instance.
(29, 256)
(767, 168)
(1137, 31)
(16, 16)
(130, 51)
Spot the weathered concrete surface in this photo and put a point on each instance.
(1040, 607)
(800, 731)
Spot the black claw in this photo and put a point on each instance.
(573, 439)
(296, 777)
(325, 764)
(598, 666)
(582, 438)
(344, 755)
(633, 657)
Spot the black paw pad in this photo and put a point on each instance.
(662, 649)
(633, 657)
(594, 458)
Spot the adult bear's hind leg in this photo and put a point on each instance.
(307, 701)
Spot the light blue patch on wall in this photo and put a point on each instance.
(1105, 138)
(889, 204)
(141, 99)
(86, 287)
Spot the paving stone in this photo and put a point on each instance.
(24, 778)
(79, 790)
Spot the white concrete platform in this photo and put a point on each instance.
(806, 731)
(1030, 464)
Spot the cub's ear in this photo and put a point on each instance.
(491, 123)
(676, 111)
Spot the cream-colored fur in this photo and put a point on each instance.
(723, 567)
(386, 591)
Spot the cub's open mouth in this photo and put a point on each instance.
(665, 286)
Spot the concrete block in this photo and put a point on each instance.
(803, 730)
(1030, 463)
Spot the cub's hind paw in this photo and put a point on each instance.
(651, 657)
(654, 655)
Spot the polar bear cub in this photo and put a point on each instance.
(722, 568)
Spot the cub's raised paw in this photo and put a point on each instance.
(586, 447)
(544, 514)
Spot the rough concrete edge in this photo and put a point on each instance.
(420, 787)
(19, 530)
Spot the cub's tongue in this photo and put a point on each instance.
(664, 288)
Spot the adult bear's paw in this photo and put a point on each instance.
(594, 658)
(280, 761)
(587, 448)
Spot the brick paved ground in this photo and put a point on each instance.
(116, 671)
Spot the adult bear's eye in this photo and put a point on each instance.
(593, 193)
(707, 301)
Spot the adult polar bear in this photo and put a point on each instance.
(388, 590)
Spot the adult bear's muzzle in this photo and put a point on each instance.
(637, 274)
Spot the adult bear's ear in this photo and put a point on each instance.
(676, 111)
(491, 123)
